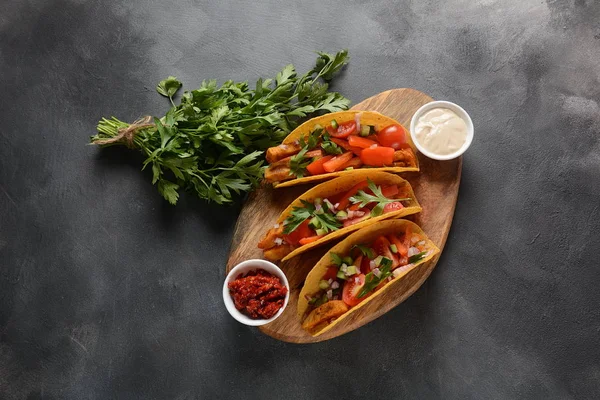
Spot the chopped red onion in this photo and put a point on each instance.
(373, 146)
(359, 213)
(414, 239)
(330, 294)
(412, 251)
(372, 264)
(318, 207)
(335, 285)
(330, 281)
(336, 205)
(331, 206)
(376, 272)
(356, 280)
(357, 120)
(278, 241)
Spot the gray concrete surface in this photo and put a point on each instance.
(108, 292)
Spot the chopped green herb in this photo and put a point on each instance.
(363, 199)
(330, 147)
(336, 259)
(211, 144)
(365, 250)
(416, 257)
(372, 281)
(298, 163)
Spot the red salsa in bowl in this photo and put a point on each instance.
(256, 292)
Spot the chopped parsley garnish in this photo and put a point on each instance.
(372, 281)
(365, 250)
(319, 219)
(377, 197)
(298, 163)
(329, 147)
(417, 257)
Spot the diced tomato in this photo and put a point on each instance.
(344, 201)
(356, 220)
(354, 207)
(395, 206)
(365, 265)
(381, 245)
(392, 136)
(316, 167)
(389, 191)
(302, 231)
(337, 162)
(346, 146)
(400, 245)
(331, 273)
(352, 289)
(343, 130)
(361, 142)
(354, 163)
(377, 156)
(310, 239)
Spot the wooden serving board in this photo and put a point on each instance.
(436, 188)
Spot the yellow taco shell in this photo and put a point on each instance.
(373, 118)
(366, 235)
(341, 185)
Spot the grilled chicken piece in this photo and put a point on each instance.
(404, 155)
(321, 316)
(278, 252)
(280, 170)
(269, 240)
(282, 151)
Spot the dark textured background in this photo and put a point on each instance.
(108, 292)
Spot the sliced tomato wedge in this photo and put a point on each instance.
(337, 162)
(400, 245)
(377, 156)
(389, 191)
(302, 231)
(361, 142)
(354, 163)
(352, 288)
(316, 167)
(353, 221)
(309, 239)
(392, 136)
(395, 206)
(365, 265)
(346, 146)
(381, 245)
(345, 200)
(343, 130)
(331, 273)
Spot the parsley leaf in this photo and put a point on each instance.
(168, 87)
(212, 143)
(319, 219)
(416, 257)
(336, 259)
(372, 281)
(329, 147)
(298, 216)
(365, 250)
(363, 199)
(298, 163)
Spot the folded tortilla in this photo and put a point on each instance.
(343, 184)
(371, 118)
(364, 236)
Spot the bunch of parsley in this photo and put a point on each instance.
(212, 143)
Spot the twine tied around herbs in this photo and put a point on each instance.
(126, 135)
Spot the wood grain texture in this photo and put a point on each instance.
(436, 187)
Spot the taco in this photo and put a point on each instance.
(360, 268)
(335, 144)
(335, 208)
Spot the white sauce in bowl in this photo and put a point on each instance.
(441, 131)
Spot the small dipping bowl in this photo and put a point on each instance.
(458, 110)
(243, 268)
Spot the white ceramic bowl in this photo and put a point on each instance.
(242, 268)
(453, 107)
